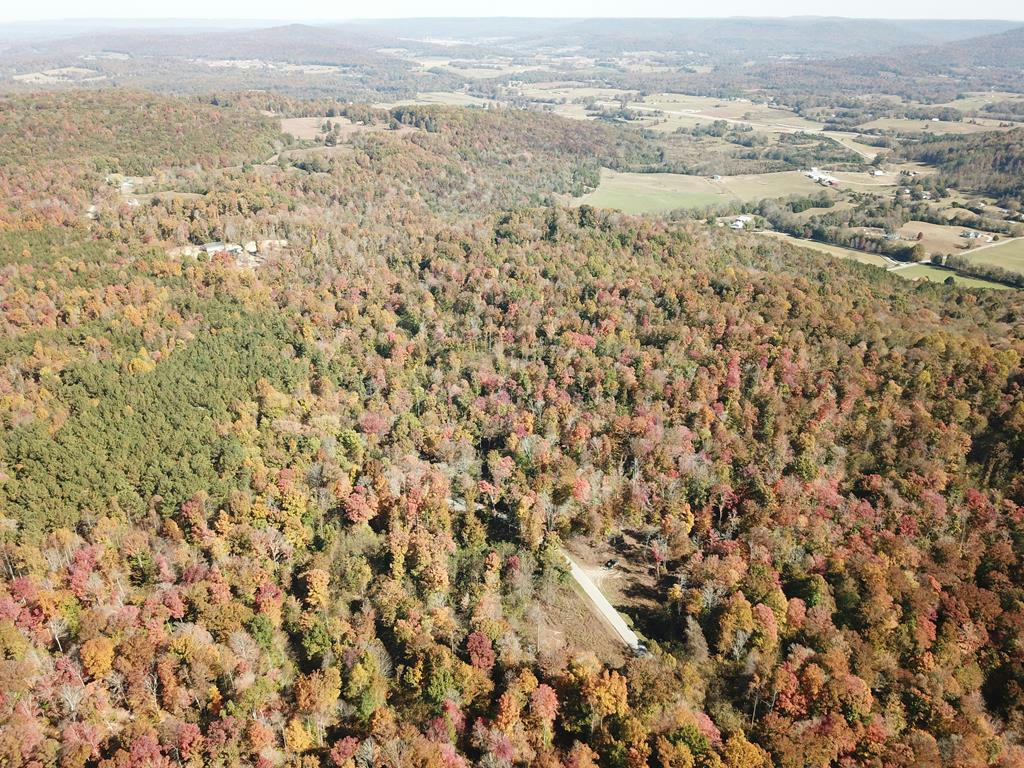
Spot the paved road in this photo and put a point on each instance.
(605, 609)
(898, 265)
(904, 264)
(1001, 241)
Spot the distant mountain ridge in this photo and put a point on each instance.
(799, 36)
(750, 37)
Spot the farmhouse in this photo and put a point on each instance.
(740, 222)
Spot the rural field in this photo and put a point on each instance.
(976, 100)
(839, 205)
(683, 110)
(1008, 255)
(661, 192)
(833, 250)
(913, 272)
(936, 237)
(444, 98)
(308, 128)
(974, 125)
(850, 141)
(481, 69)
(938, 275)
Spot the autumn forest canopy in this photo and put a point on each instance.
(305, 500)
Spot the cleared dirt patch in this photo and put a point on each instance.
(562, 625)
(631, 585)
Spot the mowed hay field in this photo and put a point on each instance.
(688, 110)
(1008, 255)
(933, 126)
(444, 98)
(661, 192)
(977, 99)
(937, 275)
(937, 238)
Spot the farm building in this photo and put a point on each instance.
(821, 177)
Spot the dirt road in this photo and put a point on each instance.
(600, 604)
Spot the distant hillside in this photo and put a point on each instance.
(791, 59)
(763, 37)
(297, 43)
(354, 42)
(301, 59)
(749, 37)
(996, 51)
(1005, 49)
(930, 73)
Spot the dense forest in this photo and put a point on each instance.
(304, 513)
(990, 163)
(127, 132)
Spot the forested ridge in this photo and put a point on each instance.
(304, 513)
(991, 163)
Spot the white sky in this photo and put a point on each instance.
(297, 10)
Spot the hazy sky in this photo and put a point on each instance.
(321, 9)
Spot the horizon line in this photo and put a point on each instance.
(503, 17)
